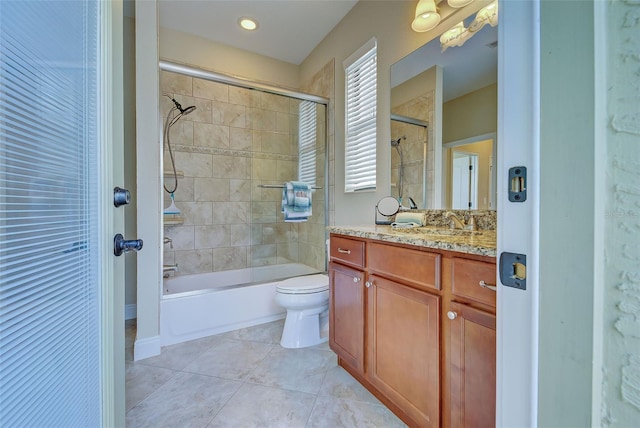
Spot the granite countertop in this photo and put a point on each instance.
(480, 242)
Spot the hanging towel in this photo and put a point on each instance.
(296, 201)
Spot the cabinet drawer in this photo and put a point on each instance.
(418, 268)
(466, 277)
(347, 250)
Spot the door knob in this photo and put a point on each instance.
(452, 315)
(121, 197)
(121, 245)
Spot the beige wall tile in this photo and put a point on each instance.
(211, 189)
(229, 258)
(183, 237)
(273, 142)
(210, 135)
(230, 114)
(230, 212)
(263, 255)
(240, 96)
(181, 134)
(239, 190)
(286, 170)
(240, 138)
(240, 235)
(212, 236)
(287, 252)
(174, 83)
(194, 164)
(283, 122)
(260, 119)
(194, 261)
(274, 102)
(230, 167)
(210, 90)
(196, 213)
(264, 169)
(264, 212)
(202, 113)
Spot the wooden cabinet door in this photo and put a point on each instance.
(404, 348)
(346, 314)
(472, 367)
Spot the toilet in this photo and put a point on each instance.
(306, 299)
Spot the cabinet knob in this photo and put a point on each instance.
(452, 315)
(368, 284)
(356, 279)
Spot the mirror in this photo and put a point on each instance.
(444, 119)
(387, 207)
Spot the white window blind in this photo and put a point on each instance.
(360, 112)
(49, 288)
(307, 142)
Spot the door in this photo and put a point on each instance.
(346, 314)
(465, 181)
(61, 336)
(472, 367)
(403, 347)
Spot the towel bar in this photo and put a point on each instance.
(279, 186)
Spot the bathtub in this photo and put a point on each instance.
(195, 306)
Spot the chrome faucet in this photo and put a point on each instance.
(454, 221)
(168, 240)
(167, 269)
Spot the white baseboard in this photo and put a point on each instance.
(145, 348)
(130, 312)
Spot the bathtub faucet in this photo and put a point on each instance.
(167, 269)
(168, 240)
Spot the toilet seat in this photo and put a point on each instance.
(304, 285)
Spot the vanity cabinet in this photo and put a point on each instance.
(414, 326)
(346, 314)
(471, 346)
(403, 347)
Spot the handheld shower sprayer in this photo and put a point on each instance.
(183, 110)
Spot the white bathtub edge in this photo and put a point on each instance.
(170, 339)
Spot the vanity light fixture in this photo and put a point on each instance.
(248, 24)
(427, 18)
(455, 36)
(486, 15)
(459, 3)
(458, 34)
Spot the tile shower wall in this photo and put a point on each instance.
(420, 107)
(313, 234)
(235, 140)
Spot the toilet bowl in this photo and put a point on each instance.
(306, 299)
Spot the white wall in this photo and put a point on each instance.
(192, 50)
(567, 208)
(618, 215)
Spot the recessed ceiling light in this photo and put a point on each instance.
(248, 24)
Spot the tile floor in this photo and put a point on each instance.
(244, 378)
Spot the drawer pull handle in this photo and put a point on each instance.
(489, 286)
(452, 315)
(356, 279)
(340, 250)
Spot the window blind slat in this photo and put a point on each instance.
(49, 251)
(307, 135)
(360, 127)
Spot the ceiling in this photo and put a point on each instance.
(288, 29)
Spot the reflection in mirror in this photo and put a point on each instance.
(468, 167)
(456, 93)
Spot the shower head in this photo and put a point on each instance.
(396, 143)
(183, 111)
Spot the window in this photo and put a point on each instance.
(360, 113)
(307, 142)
